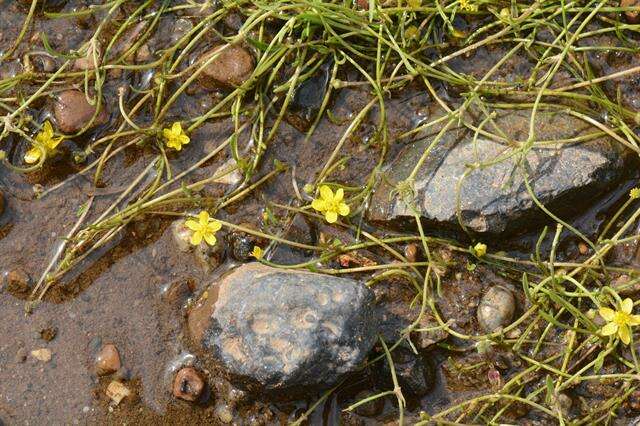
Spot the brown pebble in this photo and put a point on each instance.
(411, 252)
(188, 384)
(107, 360)
(632, 16)
(73, 112)
(88, 61)
(583, 248)
(116, 391)
(232, 67)
(49, 333)
(17, 282)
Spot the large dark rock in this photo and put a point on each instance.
(280, 331)
(493, 198)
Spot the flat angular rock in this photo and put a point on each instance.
(568, 166)
(281, 331)
(231, 68)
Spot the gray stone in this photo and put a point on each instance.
(493, 198)
(280, 331)
(496, 308)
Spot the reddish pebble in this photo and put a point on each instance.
(633, 16)
(188, 384)
(107, 360)
(231, 67)
(73, 112)
(582, 247)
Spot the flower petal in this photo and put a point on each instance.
(215, 225)
(32, 156)
(47, 129)
(331, 216)
(192, 224)
(343, 209)
(339, 195)
(607, 313)
(626, 306)
(210, 239)
(176, 129)
(196, 238)
(625, 334)
(326, 193)
(168, 134)
(203, 217)
(319, 205)
(609, 329)
(53, 143)
(184, 139)
(634, 319)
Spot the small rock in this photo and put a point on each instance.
(143, 54)
(308, 99)
(496, 308)
(181, 235)
(188, 384)
(563, 403)
(43, 354)
(279, 331)
(241, 244)
(18, 282)
(210, 257)
(107, 360)
(411, 252)
(415, 375)
(223, 413)
(231, 68)
(88, 61)
(176, 293)
(370, 409)
(21, 355)
(49, 333)
(180, 27)
(73, 112)
(632, 16)
(494, 199)
(116, 391)
(583, 248)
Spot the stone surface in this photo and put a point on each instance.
(493, 198)
(280, 331)
(188, 384)
(415, 374)
(306, 102)
(73, 112)
(107, 360)
(632, 16)
(496, 308)
(231, 68)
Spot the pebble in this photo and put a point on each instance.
(411, 252)
(88, 61)
(107, 360)
(224, 413)
(231, 68)
(371, 408)
(633, 17)
(17, 282)
(49, 333)
(43, 354)
(116, 391)
(181, 235)
(241, 244)
(73, 112)
(188, 384)
(496, 308)
(583, 248)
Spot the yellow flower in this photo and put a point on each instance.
(44, 143)
(468, 6)
(634, 193)
(175, 137)
(619, 321)
(480, 249)
(204, 228)
(331, 204)
(257, 252)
